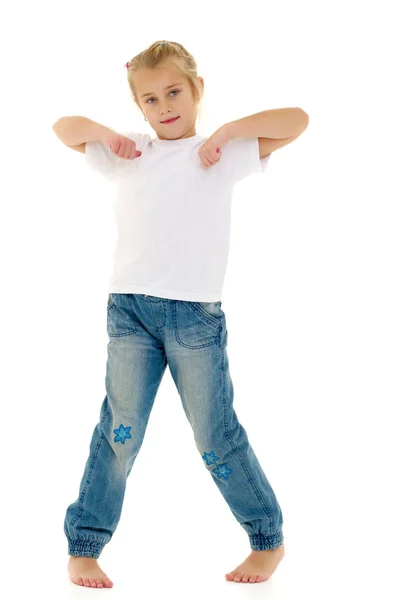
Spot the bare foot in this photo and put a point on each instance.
(258, 566)
(86, 571)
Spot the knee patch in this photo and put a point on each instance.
(122, 434)
(221, 470)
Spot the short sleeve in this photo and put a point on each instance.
(99, 157)
(241, 158)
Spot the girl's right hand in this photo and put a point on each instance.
(122, 146)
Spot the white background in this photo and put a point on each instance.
(311, 298)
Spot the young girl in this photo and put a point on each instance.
(172, 206)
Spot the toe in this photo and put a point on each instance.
(245, 578)
(238, 577)
(86, 581)
(93, 583)
(99, 583)
(252, 578)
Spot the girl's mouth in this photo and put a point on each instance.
(170, 120)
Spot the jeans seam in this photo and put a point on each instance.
(235, 448)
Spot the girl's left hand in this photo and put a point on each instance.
(210, 151)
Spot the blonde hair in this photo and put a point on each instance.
(164, 53)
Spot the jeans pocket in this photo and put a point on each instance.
(121, 319)
(211, 309)
(110, 301)
(199, 324)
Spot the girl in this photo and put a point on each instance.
(172, 205)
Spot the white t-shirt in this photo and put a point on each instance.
(173, 214)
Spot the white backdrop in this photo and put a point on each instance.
(311, 298)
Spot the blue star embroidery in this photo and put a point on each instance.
(222, 471)
(212, 460)
(122, 434)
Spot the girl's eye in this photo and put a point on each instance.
(170, 93)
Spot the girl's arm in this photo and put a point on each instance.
(76, 131)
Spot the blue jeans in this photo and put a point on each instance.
(146, 333)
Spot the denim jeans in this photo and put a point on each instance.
(145, 334)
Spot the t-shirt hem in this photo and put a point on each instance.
(164, 293)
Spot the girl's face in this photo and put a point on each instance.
(164, 93)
